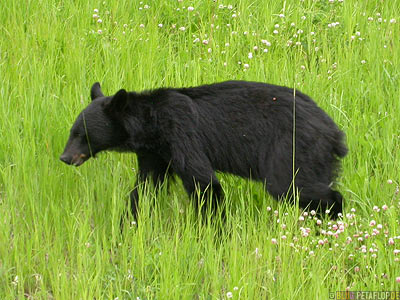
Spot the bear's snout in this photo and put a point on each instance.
(75, 160)
(66, 159)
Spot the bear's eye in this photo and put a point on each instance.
(76, 134)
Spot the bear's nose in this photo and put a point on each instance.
(66, 159)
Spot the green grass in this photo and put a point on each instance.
(59, 225)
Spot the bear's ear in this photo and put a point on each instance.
(95, 91)
(118, 102)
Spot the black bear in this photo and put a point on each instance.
(265, 132)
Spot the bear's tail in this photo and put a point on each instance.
(339, 147)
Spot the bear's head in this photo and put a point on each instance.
(97, 128)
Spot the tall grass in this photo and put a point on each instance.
(59, 234)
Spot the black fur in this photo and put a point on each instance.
(242, 128)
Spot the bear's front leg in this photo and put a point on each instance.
(151, 167)
(198, 177)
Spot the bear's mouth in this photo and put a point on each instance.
(75, 160)
(79, 159)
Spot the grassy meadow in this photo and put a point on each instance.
(59, 225)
